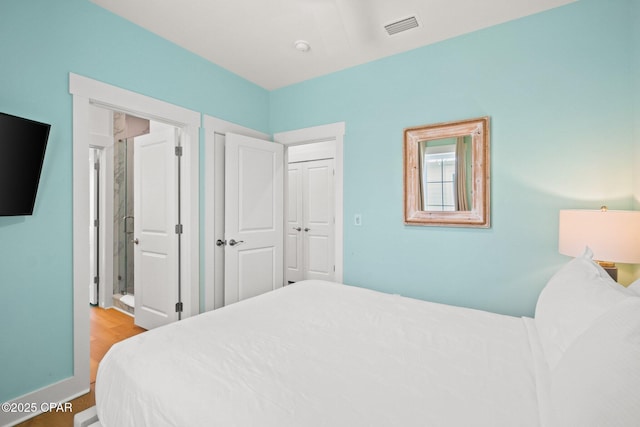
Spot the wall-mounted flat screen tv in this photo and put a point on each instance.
(22, 146)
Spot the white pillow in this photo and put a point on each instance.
(597, 382)
(573, 298)
(635, 287)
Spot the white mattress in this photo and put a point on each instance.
(323, 354)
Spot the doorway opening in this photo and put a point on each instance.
(214, 189)
(137, 156)
(146, 204)
(310, 214)
(89, 96)
(317, 252)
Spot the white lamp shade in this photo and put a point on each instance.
(612, 235)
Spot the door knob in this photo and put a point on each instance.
(307, 229)
(232, 242)
(136, 241)
(221, 242)
(297, 228)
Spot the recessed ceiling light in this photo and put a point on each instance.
(302, 45)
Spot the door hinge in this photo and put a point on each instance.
(179, 307)
(96, 279)
(179, 228)
(334, 268)
(96, 166)
(96, 223)
(179, 150)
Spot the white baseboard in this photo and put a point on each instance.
(60, 392)
(87, 418)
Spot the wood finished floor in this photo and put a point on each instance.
(107, 328)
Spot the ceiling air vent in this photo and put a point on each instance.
(402, 25)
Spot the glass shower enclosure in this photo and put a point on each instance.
(123, 223)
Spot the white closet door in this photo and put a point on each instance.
(254, 217)
(318, 201)
(310, 221)
(294, 233)
(155, 219)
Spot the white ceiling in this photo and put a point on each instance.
(255, 38)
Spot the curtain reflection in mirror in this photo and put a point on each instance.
(463, 152)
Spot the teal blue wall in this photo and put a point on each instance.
(636, 111)
(557, 86)
(41, 41)
(636, 96)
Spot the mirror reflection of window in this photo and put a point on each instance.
(438, 186)
(444, 174)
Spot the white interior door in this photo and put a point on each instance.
(295, 224)
(319, 223)
(155, 218)
(254, 217)
(310, 221)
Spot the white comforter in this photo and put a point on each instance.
(323, 354)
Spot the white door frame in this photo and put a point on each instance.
(95, 193)
(330, 132)
(214, 206)
(88, 92)
(101, 139)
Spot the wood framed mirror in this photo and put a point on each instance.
(447, 175)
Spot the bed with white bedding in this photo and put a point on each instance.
(324, 354)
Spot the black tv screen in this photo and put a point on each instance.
(22, 146)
